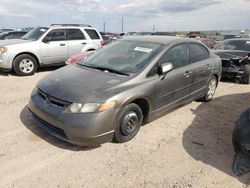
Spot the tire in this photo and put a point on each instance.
(210, 90)
(245, 78)
(241, 131)
(128, 123)
(25, 65)
(236, 144)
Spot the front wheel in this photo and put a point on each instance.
(210, 90)
(24, 65)
(128, 124)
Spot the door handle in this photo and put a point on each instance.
(187, 74)
(209, 67)
(62, 44)
(84, 43)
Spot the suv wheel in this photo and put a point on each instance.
(128, 124)
(210, 90)
(24, 65)
(245, 79)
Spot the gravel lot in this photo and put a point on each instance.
(189, 147)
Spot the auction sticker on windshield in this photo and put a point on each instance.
(141, 49)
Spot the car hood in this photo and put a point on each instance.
(75, 83)
(230, 54)
(13, 41)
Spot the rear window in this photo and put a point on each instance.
(92, 33)
(75, 34)
(197, 53)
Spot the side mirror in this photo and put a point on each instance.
(46, 39)
(165, 68)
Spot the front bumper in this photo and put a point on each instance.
(232, 70)
(80, 129)
(5, 62)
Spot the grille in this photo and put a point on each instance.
(226, 63)
(52, 100)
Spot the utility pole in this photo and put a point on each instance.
(104, 27)
(122, 24)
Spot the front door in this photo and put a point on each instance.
(54, 48)
(175, 88)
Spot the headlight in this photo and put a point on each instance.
(34, 91)
(90, 107)
(3, 50)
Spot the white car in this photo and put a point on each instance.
(46, 46)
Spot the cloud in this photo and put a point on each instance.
(84, 6)
(30, 5)
(186, 6)
(6, 12)
(138, 14)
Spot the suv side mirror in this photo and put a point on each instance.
(165, 68)
(46, 39)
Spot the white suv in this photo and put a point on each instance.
(45, 46)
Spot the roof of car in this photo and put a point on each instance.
(243, 39)
(72, 26)
(159, 39)
(58, 26)
(9, 32)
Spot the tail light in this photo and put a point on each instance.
(102, 43)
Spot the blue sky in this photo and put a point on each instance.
(139, 15)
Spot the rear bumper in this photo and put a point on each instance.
(79, 129)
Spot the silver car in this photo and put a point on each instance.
(45, 46)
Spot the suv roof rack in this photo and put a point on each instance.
(75, 25)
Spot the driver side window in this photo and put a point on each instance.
(56, 35)
(177, 55)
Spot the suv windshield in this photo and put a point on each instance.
(122, 56)
(243, 45)
(35, 33)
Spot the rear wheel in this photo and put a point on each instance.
(210, 90)
(129, 123)
(25, 65)
(245, 79)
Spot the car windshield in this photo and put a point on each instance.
(122, 57)
(243, 45)
(35, 33)
(3, 34)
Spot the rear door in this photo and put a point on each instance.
(175, 87)
(76, 41)
(95, 37)
(54, 47)
(201, 66)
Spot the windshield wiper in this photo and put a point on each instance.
(105, 69)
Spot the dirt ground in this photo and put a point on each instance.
(189, 147)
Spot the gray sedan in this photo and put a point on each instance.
(111, 93)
